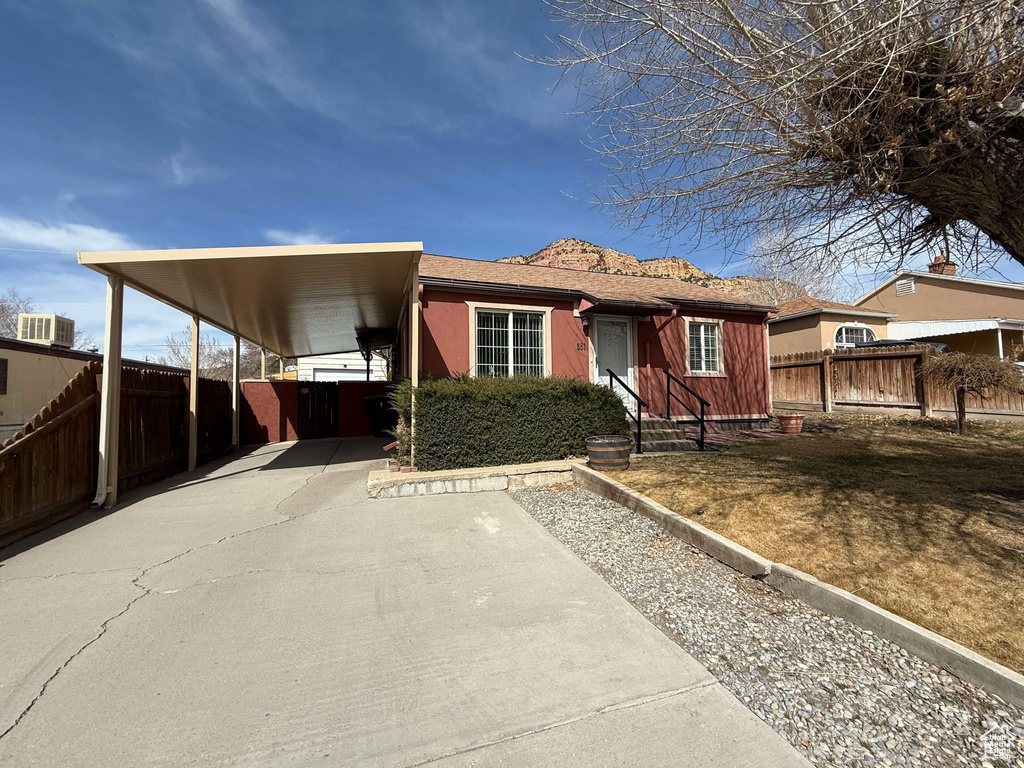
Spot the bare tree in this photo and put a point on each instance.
(215, 357)
(11, 304)
(788, 277)
(867, 129)
(976, 374)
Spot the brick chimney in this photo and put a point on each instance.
(942, 266)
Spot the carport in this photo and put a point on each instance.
(291, 300)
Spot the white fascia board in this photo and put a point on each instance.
(917, 329)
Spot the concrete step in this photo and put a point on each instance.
(663, 434)
(669, 446)
(655, 423)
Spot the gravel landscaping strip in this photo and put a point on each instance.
(840, 694)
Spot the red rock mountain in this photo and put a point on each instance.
(572, 253)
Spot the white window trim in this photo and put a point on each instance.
(851, 324)
(485, 306)
(720, 373)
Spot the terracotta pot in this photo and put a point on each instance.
(791, 424)
(609, 451)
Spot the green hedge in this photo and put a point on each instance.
(483, 422)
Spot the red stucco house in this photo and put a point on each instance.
(499, 319)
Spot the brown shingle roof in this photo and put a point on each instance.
(599, 287)
(809, 304)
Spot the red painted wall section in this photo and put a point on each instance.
(445, 333)
(352, 418)
(743, 389)
(270, 411)
(661, 342)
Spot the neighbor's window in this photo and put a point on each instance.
(3, 375)
(509, 343)
(851, 335)
(704, 348)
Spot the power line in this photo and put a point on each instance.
(37, 250)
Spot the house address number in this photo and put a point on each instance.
(581, 346)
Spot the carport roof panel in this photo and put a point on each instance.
(295, 300)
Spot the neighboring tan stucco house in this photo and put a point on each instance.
(810, 325)
(31, 374)
(969, 315)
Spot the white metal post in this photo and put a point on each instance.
(263, 363)
(999, 337)
(414, 354)
(236, 392)
(110, 397)
(193, 397)
(280, 367)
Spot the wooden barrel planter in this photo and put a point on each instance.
(609, 452)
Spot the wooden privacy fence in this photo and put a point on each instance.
(48, 470)
(873, 378)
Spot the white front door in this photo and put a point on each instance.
(613, 349)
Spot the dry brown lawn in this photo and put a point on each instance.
(901, 512)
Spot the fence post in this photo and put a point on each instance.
(926, 391)
(826, 381)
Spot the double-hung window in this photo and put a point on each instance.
(704, 346)
(509, 343)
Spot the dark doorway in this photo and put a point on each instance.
(318, 409)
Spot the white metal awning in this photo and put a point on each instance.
(294, 300)
(926, 329)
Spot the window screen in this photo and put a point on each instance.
(509, 343)
(492, 343)
(704, 348)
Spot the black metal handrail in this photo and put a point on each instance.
(670, 396)
(638, 419)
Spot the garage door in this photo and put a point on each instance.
(339, 374)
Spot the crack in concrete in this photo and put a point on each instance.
(147, 591)
(67, 573)
(628, 704)
(103, 630)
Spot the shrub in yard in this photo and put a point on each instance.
(978, 374)
(480, 422)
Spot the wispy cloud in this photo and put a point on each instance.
(267, 59)
(186, 168)
(488, 68)
(61, 236)
(292, 237)
(186, 44)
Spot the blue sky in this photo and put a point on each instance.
(188, 123)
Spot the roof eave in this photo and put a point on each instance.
(833, 311)
(726, 306)
(489, 287)
(954, 278)
(659, 304)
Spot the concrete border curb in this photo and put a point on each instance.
(927, 645)
(389, 485)
(716, 545)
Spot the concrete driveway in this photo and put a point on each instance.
(263, 611)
